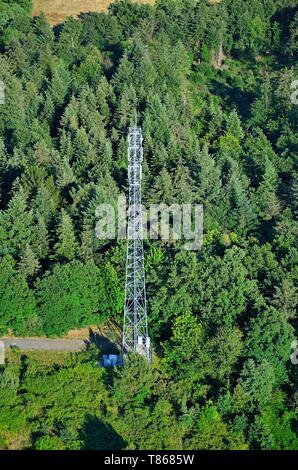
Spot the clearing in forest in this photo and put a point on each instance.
(57, 10)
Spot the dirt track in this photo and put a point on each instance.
(44, 344)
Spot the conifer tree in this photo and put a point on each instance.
(126, 110)
(209, 184)
(162, 189)
(87, 244)
(293, 40)
(183, 186)
(66, 246)
(16, 225)
(29, 265)
(40, 242)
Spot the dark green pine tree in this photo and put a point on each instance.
(266, 198)
(66, 246)
(16, 225)
(86, 249)
(29, 264)
(40, 244)
(126, 109)
(209, 184)
(84, 154)
(183, 185)
(294, 195)
(234, 126)
(242, 216)
(293, 40)
(162, 190)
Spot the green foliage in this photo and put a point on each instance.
(17, 307)
(66, 247)
(213, 434)
(211, 84)
(77, 294)
(276, 426)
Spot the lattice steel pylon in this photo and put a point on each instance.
(135, 327)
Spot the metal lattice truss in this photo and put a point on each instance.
(135, 329)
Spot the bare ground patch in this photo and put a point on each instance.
(58, 10)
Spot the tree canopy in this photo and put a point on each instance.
(212, 84)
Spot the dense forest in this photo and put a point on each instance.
(212, 83)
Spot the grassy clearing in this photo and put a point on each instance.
(57, 10)
(46, 358)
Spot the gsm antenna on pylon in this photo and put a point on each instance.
(135, 325)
